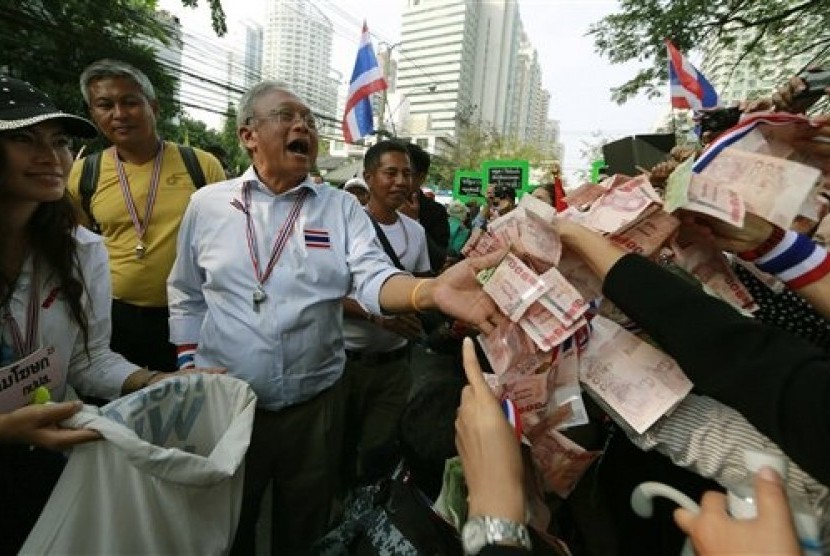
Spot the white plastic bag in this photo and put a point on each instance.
(166, 479)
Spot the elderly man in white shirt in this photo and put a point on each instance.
(263, 263)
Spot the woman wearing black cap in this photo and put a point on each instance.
(54, 306)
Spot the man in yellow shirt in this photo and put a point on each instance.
(137, 200)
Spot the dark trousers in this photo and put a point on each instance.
(27, 478)
(142, 336)
(298, 449)
(377, 396)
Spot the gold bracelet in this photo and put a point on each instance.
(148, 378)
(414, 293)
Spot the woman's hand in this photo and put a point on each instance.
(38, 425)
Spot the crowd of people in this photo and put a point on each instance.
(143, 261)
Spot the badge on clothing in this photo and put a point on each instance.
(19, 380)
(317, 238)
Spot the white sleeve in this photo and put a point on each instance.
(710, 438)
(368, 263)
(184, 285)
(100, 372)
(422, 264)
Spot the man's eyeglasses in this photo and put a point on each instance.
(288, 117)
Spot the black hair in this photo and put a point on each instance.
(427, 433)
(50, 231)
(371, 160)
(504, 192)
(418, 158)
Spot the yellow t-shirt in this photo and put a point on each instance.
(142, 281)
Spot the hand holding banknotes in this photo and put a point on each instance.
(714, 531)
(725, 236)
(488, 448)
(457, 293)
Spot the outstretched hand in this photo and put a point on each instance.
(714, 531)
(725, 236)
(488, 448)
(38, 425)
(458, 293)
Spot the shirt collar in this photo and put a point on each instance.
(251, 175)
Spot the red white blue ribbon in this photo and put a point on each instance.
(139, 225)
(282, 235)
(733, 135)
(511, 412)
(24, 346)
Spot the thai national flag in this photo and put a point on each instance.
(367, 78)
(689, 88)
(317, 238)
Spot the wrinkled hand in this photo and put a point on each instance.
(38, 425)
(660, 173)
(409, 326)
(783, 97)
(458, 294)
(488, 448)
(714, 531)
(814, 140)
(756, 105)
(725, 236)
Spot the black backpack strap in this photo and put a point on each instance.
(194, 169)
(384, 241)
(87, 185)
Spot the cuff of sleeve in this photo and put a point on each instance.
(185, 330)
(773, 240)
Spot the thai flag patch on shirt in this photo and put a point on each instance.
(317, 238)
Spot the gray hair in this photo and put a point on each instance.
(108, 67)
(252, 95)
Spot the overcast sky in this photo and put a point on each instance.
(579, 79)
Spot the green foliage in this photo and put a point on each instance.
(477, 143)
(217, 14)
(238, 159)
(637, 30)
(591, 149)
(48, 43)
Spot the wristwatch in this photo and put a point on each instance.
(480, 531)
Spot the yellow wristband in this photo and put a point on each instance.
(414, 294)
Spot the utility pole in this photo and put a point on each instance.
(385, 96)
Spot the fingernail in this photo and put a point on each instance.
(767, 473)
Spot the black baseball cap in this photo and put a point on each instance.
(21, 105)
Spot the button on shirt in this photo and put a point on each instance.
(292, 348)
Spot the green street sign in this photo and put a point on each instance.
(596, 166)
(512, 173)
(468, 185)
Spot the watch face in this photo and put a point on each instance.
(474, 535)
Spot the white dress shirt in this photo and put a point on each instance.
(100, 373)
(292, 348)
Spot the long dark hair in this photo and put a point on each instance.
(50, 232)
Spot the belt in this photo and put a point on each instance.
(140, 309)
(377, 357)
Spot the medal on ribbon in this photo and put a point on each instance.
(140, 225)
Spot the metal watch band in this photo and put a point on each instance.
(480, 531)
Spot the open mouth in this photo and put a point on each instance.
(299, 146)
